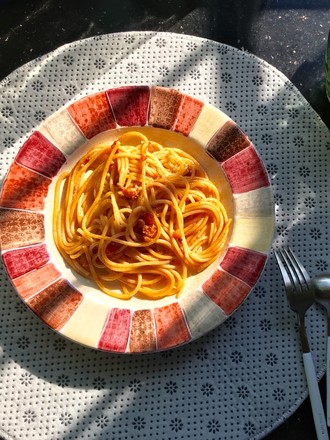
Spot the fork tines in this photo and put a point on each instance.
(293, 272)
(300, 294)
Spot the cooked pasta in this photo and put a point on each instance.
(138, 213)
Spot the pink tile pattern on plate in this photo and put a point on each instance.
(20, 228)
(21, 261)
(171, 326)
(32, 282)
(24, 189)
(40, 155)
(227, 141)
(39, 283)
(188, 113)
(245, 171)
(225, 290)
(244, 264)
(56, 303)
(142, 337)
(130, 104)
(92, 114)
(116, 331)
(164, 107)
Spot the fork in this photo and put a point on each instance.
(301, 295)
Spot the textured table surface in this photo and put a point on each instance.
(290, 36)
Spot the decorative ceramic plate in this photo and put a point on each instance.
(72, 305)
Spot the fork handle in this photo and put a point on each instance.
(315, 398)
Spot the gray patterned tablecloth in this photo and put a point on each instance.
(245, 377)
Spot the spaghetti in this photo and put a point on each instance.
(138, 213)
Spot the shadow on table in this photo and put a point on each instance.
(308, 73)
(58, 22)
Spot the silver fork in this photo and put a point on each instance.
(301, 295)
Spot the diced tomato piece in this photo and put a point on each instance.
(111, 248)
(148, 218)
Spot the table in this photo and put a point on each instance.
(290, 36)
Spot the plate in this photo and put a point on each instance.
(70, 304)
